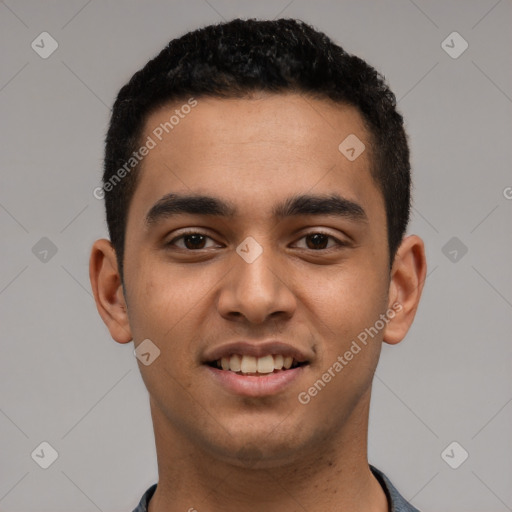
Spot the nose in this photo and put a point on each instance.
(257, 291)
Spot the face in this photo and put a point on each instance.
(282, 258)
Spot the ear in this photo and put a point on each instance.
(407, 278)
(108, 291)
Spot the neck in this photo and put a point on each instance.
(332, 476)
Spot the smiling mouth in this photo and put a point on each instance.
(256, 366)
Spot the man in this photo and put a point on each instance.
(257, 189)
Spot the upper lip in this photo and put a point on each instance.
(256, 349)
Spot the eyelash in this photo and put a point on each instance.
(339, 243)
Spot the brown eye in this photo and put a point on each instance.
(318, 241)
(195, 241)
(190, 241)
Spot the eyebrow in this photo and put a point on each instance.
(297, 205)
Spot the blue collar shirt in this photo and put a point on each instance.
(396, 501)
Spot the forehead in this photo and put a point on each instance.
(255, 150)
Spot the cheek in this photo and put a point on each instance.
(160, 298)
(169, 305)
(164, 309)
(348, 298)
(342, 311)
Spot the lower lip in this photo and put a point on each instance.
(250, 385)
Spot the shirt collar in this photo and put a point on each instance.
(396, 501)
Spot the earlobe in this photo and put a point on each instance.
(406, 285)
(108, 291)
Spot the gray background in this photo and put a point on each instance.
(64, 381)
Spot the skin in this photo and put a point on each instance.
(217, 450)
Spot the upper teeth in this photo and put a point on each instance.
(251, 364)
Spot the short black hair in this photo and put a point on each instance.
(236, 58)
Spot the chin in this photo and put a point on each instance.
(272, 444)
